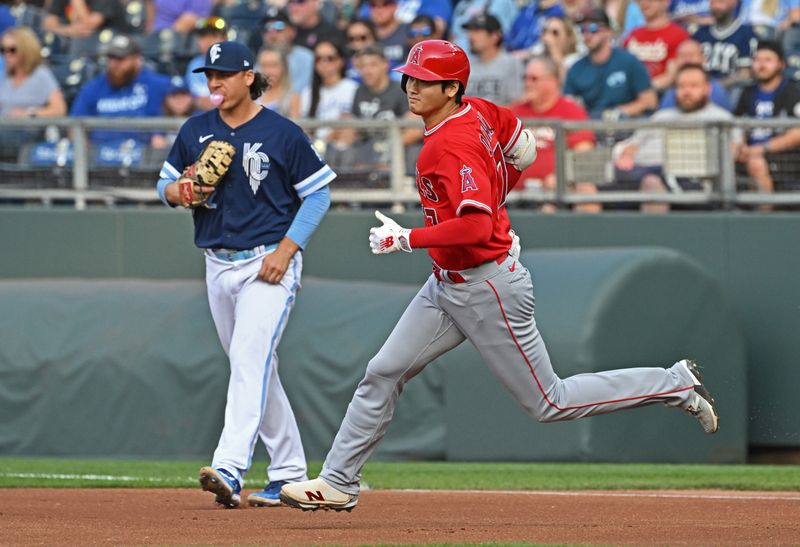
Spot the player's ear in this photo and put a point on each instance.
(249, 77)
(452, 89)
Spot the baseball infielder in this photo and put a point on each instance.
(478, 290)
(261, 215)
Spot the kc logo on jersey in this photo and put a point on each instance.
(467, 182)
(215, 52)
(256, 164)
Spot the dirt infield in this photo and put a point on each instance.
(116, 516)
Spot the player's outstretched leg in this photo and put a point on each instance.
(702, 406)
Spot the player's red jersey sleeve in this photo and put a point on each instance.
(466, 181)
(503, 120)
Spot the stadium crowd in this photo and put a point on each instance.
(332, 59)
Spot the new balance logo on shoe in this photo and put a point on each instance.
(315, 496)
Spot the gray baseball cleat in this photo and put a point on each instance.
(702, 405)
(316, 494)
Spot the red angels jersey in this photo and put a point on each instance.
(461, 167)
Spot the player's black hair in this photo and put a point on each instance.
(445, 85)
(259, 86)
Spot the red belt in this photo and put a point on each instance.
(456, 277)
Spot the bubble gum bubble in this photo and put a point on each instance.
(216, 99)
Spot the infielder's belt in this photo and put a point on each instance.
(232, 255)
(479, 272)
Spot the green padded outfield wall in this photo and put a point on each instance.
(131, 368)
(753, 256)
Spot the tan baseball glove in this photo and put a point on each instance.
(208, 170)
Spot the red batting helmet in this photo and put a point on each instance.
(436, 60)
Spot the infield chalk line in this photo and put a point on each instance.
(583, 493)
(606, 494)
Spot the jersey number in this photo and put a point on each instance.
(431, 218)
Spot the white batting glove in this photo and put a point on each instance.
(523, 154)
(516, 248)
(390, 237)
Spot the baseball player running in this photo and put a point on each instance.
(252, 228)
(478, 290)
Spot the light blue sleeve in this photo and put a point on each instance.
(308, 217)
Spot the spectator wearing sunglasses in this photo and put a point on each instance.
(311, 26)
(561, 43)
(329, 98)
(278, 32)
(610, 82)
(179, 15)
(440, 12)
(207, 32)
(526, 30)
(421, 28)
(495, 75)
(505, 11)
(360, 34)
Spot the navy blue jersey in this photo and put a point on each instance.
(726, 51)
(274, 168)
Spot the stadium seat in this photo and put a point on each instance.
(72, 74)
(791, 48)
(28, 16)
(92, 46)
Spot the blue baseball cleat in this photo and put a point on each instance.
(270, 496)
(223, 484)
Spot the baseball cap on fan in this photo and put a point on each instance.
(483, 21)
(122, 46)
(227, 56)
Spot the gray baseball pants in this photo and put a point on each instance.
(494, 309)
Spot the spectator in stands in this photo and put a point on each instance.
(728, 44)
(127, 89)
(439, 11)
(377, 98)
(310, 25)
(28, 89)
(775, 15)
(178, 103)
(527, 27)
(179, 15)
(279, 33)
(421, 28)
(772, 156)
(611, 82)
(208, 31)
(642, 156)
(690, 13)
(504, 10)
(360, 34)
(543, 100)
(656, 43)
(82, 18)
(329, 98)
(690, 53)
(625, 16)
(560, 43)
(391, 33)
(280, 95)
(494, 74)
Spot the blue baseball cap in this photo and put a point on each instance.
(227, 56)
(177, 85)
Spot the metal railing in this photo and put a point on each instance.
(702, 151)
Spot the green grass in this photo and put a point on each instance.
(57, 473)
